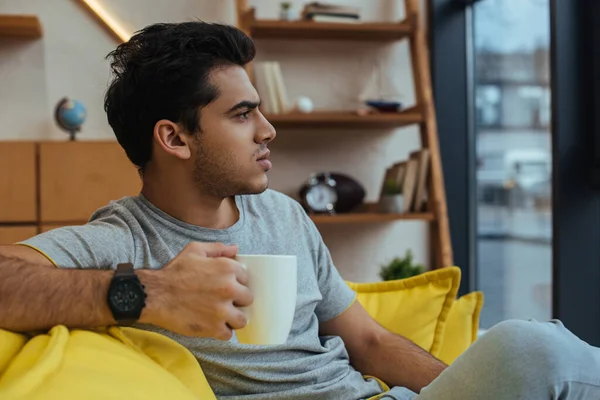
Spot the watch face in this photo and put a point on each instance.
(126, 296)
(320, 197)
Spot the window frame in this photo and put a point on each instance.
(575, 135)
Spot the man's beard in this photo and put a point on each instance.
(217, 176)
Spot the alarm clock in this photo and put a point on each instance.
(318, 194)
(331, 193)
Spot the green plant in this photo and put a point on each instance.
(285, 5)
(400, 268)
(391, 188)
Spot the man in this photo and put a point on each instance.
(185, 112)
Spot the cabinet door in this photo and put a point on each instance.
(13, 234)
(77, 178)
(17, 182)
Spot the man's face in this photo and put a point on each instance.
(231, 149)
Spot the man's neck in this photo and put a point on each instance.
(187, 204)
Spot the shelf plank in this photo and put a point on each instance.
(346, 120)
(20, 26)
(370, 217)
(299, 30)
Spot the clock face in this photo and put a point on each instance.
(320, 197)
(126, 297)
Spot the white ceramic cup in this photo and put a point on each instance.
(273, 282)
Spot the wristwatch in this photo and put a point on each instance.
(126, 295)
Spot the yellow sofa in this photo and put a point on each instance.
(133, 364)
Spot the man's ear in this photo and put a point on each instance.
(172, 139)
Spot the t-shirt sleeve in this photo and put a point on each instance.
(337, 296)
(102, 244)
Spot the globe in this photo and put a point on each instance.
(70, 115)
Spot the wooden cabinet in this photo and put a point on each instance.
(77, 178)
(46, 185)
(18, 182)
(13, 234)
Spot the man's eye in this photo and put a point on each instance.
(244, 115)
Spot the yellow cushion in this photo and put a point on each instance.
(461, 327)
(415, 307)
(113, 363)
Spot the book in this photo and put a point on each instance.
(314, 15)
(422, 157)
(335, 19)
(408, 185)
(262, 87)
(271, 87)
(317, 8)
(280, 89)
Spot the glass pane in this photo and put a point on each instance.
(512, 101)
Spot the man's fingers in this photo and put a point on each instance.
(224, 334)
(237, 320)
(244, 297)
(241, 274)
(213, 249)
(228, 251)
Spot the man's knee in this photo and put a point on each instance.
(528, 347)
(527, 338)
(519, 360)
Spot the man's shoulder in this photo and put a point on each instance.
(124, 208)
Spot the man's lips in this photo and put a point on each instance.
(264, 155)
(264, 162)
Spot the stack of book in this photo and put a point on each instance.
(270, 87)
(412, 176)
(322, 12)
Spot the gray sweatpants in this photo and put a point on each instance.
(518, 360)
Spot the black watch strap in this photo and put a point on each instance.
(125, 270)
(127, 322)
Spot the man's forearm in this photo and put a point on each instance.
(399, 362)
(34, 297)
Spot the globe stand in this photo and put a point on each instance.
(72, 135)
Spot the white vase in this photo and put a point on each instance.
(392, 204)
(286, 14)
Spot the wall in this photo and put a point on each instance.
(69, 60)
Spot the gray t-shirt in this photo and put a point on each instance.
(307, 366)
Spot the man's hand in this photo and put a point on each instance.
(198, 293)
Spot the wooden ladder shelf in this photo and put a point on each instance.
(423, 114)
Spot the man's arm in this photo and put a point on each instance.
(377, 352)
(196, 294)
(38, 296)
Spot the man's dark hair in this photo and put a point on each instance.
(162, 72)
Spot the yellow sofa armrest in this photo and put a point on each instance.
(87, 364)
